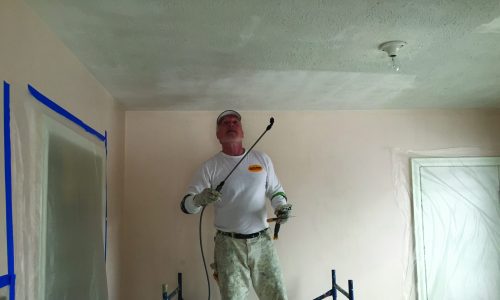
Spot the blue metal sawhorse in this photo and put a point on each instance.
(335, 287)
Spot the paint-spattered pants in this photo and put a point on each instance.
(241, 263)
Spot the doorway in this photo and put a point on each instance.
(456, 209)
(73, 214)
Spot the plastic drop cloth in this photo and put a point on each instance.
(58, 178)
(454, 210)
(4, 292)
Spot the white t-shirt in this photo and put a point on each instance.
(242, 208)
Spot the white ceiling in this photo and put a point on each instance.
(284, 55)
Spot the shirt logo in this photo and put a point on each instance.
(255, 168)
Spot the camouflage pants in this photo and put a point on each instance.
(240, 263)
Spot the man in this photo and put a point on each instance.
(244, 253)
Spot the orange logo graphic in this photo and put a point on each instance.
(255, 168)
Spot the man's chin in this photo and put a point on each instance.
(229, 140)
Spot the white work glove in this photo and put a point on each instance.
(283, 213)
(206, 197)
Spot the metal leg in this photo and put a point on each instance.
(179, 282)
(351, 289)
(334, 285)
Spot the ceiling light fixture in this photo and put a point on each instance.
(392, 48)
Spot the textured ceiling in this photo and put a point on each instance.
(284, 55)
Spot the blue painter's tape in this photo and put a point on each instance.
(106, 200)
(55, 107)
(12, 289)
(8, 189)
(106, 144)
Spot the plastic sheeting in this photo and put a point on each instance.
(3, 238)
(59, 205)
(4, 293)
(453, 212)
(3, 223)
(7, 275)
(3, 231)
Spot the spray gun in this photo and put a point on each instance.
(221, 184)
(287, 207)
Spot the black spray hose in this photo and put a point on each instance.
(202, 254)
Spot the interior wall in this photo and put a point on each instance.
(338, 171)
(31, 54)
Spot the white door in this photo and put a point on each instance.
(457, 228)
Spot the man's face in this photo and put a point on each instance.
(229, 130)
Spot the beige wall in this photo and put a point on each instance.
(30, 53)
(338, 169)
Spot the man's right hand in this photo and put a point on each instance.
(207, 196)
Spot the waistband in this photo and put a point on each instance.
(241, 235)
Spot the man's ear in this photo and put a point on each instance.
(217, 133)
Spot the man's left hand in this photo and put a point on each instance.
(283, 213)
